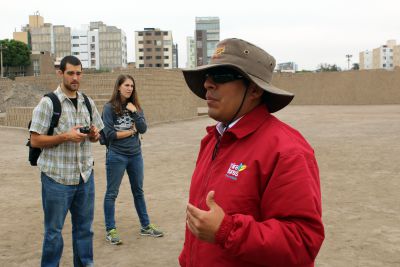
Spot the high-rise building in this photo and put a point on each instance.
(383, 57)
(154, 48)
(207, 37)
(97, 46)
(85, 46)
(112, 45)
(190, 52)
(45, 37)
(175, 56)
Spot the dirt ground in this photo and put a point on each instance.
(357, 147)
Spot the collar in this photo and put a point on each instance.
(247, 124)
(220, 126)
(62, 96)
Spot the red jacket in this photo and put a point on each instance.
(265, 178)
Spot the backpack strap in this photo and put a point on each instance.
(56, 112)
(88, 106)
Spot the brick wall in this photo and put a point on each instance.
(165, 97)
(163, 94)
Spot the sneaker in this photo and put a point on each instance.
(151, 230)
(113, 237)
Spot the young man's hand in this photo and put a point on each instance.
(74, 135)
(94, 134)
(205, 224)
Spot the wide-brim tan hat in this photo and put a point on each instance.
(251, 61)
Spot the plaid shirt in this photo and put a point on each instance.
(66, 162)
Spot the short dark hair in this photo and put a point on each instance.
(71, 60)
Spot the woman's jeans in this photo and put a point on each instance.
(116, 164)
(57, 199)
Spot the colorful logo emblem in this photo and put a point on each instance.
(218, 51)
(234, 170)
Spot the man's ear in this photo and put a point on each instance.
(59, 73)
(255, 91)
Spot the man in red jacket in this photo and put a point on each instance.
(255, 195)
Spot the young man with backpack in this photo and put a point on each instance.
(66, 165)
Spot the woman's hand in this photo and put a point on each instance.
(131, 107)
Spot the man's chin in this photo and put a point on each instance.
(73, 87)
(213, 114)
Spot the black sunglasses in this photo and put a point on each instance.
(223, 75)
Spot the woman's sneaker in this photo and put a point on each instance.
(151, 230)
(113, 237)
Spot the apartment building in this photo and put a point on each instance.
(154, 49)
(45, 37)
(207, 36)
(98, 45)
(190, 52)
(286, 67)
(383, 57)
(85, 46)
(112, 45)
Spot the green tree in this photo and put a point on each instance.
(15, 54)
(327, 67)
(356, 66)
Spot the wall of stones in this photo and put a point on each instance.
(165, 97)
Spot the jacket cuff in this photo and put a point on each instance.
(224, 230)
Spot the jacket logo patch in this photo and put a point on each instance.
(234, 170)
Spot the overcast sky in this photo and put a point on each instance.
(308, 32)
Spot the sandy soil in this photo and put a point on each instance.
(357, 148)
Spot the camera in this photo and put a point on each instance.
(85, 130)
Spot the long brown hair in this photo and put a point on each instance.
(116, 95)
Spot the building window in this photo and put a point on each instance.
(166, 65)
(75, 53)
(158, 57)
(148, 33)
(92, 55)
(141, 57)
(140, 42)
(36, 68)
(158, 65)
(384, 65)
(148, 42)
(150, 65)
(141, 65)
(158, 49)
(75, 37)
(166, 49)
(75, 45)
(140, 49)
(165, 33)
(148, 49)
(166, 57)
(140, 33)
(157, 33)
(92, 47)
(149, 57)
(93, 39)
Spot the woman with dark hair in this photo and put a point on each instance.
(123, 122)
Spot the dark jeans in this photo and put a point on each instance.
(57, 199)
(116, 164)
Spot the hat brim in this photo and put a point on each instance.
(276, 98)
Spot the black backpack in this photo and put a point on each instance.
(34, 152)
